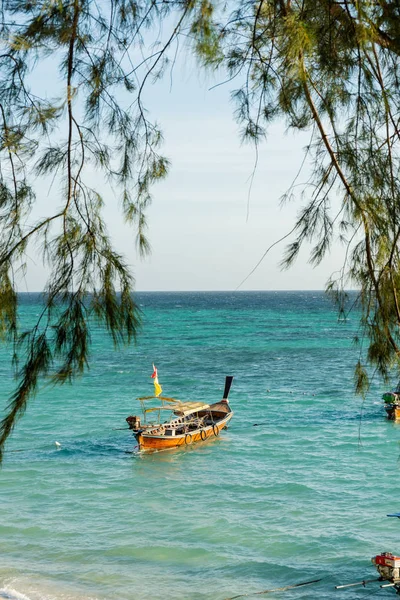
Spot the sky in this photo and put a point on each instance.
(209, 222)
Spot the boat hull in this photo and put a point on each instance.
(393, 412)
(153, 442)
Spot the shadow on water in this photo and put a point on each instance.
(369, 414)
(120, 448)
(77, 448)
(89, 448)
(171, 454)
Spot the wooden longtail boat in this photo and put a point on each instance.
(388, 567)
(392, 403)
(190, 422)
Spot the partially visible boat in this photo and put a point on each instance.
(388, 567)
(392, 403)
(188, 422)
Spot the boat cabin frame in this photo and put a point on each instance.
(190, 415)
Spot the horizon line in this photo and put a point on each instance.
(206, 291)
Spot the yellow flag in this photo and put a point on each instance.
(157, 386)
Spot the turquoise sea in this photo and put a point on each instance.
(297, 489)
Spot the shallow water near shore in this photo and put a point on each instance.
(296, 489)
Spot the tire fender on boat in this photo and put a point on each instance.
(215, 430)
(203, 434)
(188, 439)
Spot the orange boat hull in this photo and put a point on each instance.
(153, 442)
(393, 413)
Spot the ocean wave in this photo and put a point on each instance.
(8, 593)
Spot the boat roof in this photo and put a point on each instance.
(187, 408)
(179, 408)
(154, 408)
(163, 398)
(182, 409)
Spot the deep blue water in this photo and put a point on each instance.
(296, 489)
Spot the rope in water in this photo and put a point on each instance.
(281, 589)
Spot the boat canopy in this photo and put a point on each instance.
(154, 408)
(181, 409)
(162, 398)
(187, 408)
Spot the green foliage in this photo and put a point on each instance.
(331, 68)
(93, 123)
